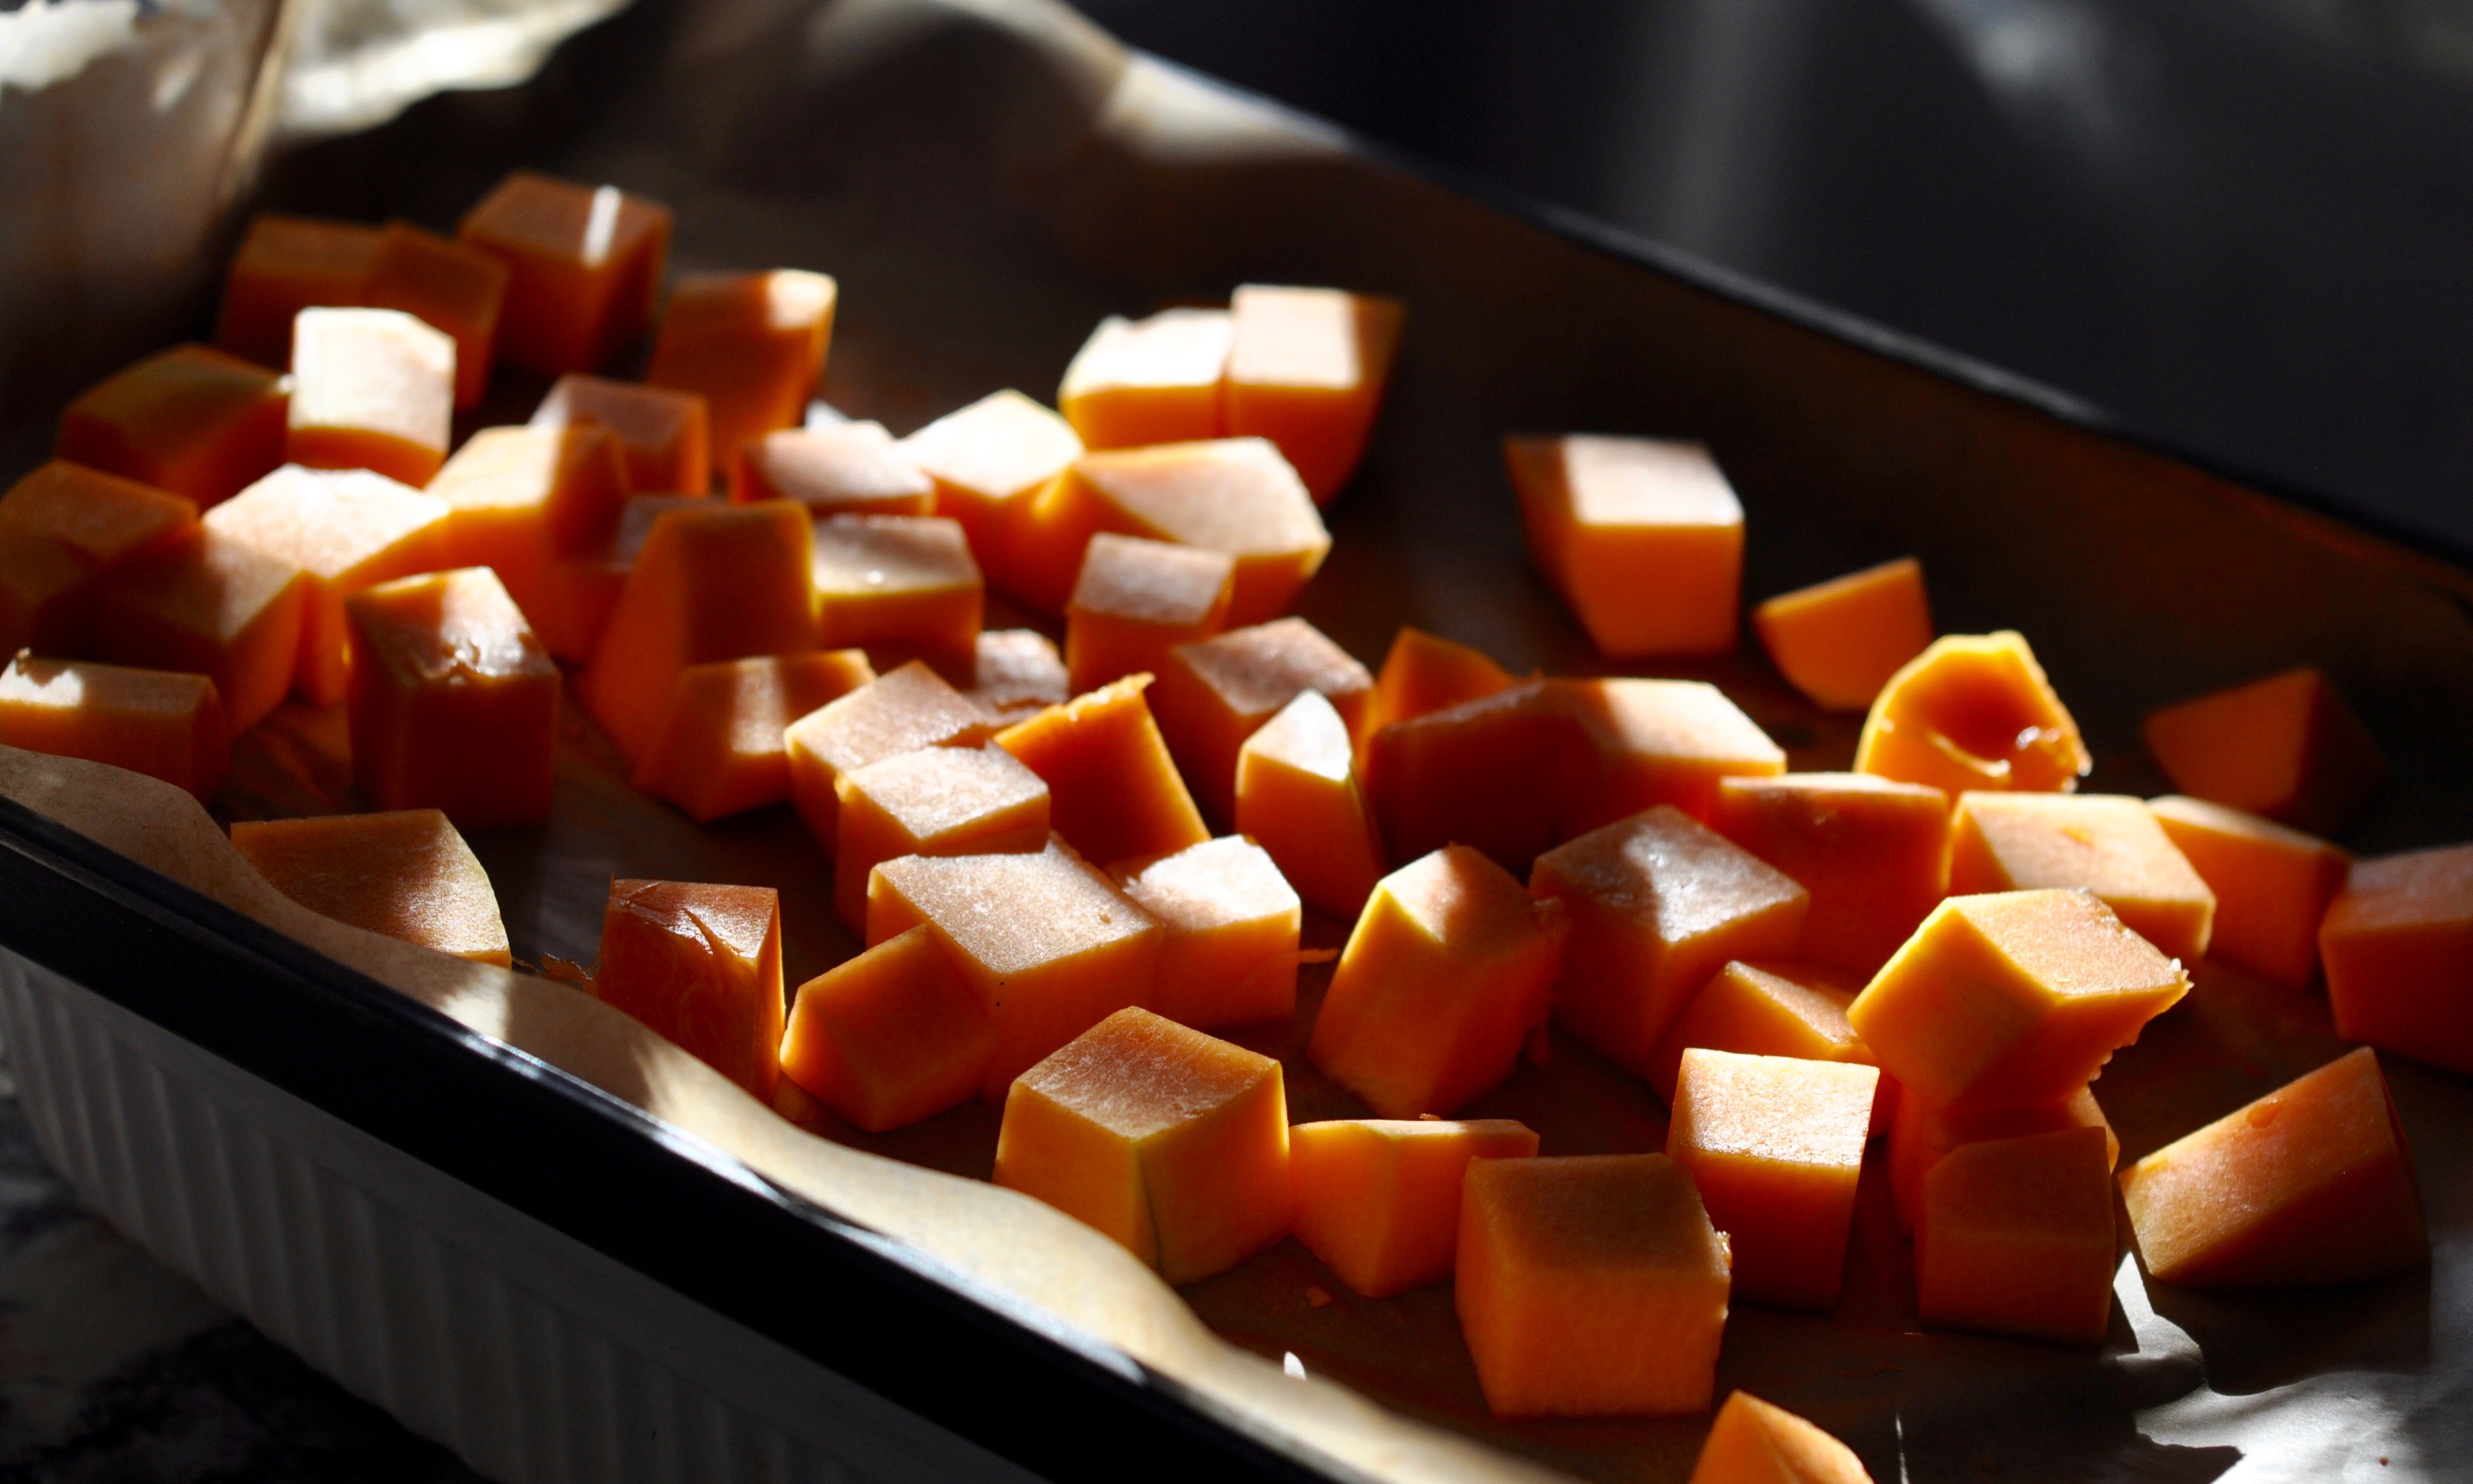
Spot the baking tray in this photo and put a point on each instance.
(987, 179)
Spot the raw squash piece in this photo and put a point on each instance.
(1215, 694)
(1134, 600)
(1490, 773)
(1172, 1142)
(583, 587)
(851, 469)
(728, 582)
(453, 703)
(1973, 712)
(2398, 946)
(1921, 1133)
(891, 1037)
(990, 460)
(903, 586)
(1590, 1286)
(664, 437)
(1839, 641)
(1658, 903)
(2272, 884)
(348, 530)
(1235, 495)
(519, 498)
(404, 875)
(1052, 946)
(213, 606)
(1447, 972)
(2012, 999)
(162, 723)
(371, 389)
(1306, 370)
(751, 345)
(2286, 746)
(1377, 1200)
(1018, 673)
(1299, 798)
(1754, 1442)
(585, 263)
(1774, 1145)
(64, 529)
(1656, 742)
(287, 264)
(904, 710)
(720, 751)
(1136, 382)
(1643, 539)
(191, 420)
(2310, 1185)
(446, 286)
(1770, 1008)
(2105, 843)
(1422, 673)
(937, 801)
(701, 965)
(1873, 852)
(1114, 794)
(2017, 1238)
(1229, 922)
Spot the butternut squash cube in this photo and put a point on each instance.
(721, 750)
(1775, 1010)
(1298, 797)
(891, 1037)
(1589, 1285)
(2272, 884)
(1754, 1442)
(1643, 539)
(1873, 852)
(585, 263)
(584, 586)
(903, 586)
(904, 710)
(519, 498)
(990, 460)
(2017, 1238)
(1839, 641)
(1306, 370)
(2310, 1185)
(162, 723)
(1921, 1133)
(1491, 774)
(287, 264)
(851, 469)
(371, 389)
(1018, 673)
(1422, 673)
(1114, 794)
(701, 965)
(664, 435)
(453, 703)
(751, 345)
(1171, 1143)
(2105, 843)
(1377, 1200)
(1134, 600)
(2398, 946)
(1156, 380)
(1215, 694)
(1447, 972)
(64, 529)
(190, 421)
(2286, 746)
(213, 606)
(1657, 904)
(1653, 742)
(404, 873)
(1774, 1145)
(447, 286)
(1230, 924)
(1973, 712)
(937, 801)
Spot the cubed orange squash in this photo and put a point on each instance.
(714, 582)
(1973, 712)
(1299, 798)
(664, 437)
(287, 264)
(1657, 904)
(1018, 673)
(1377, 1200)
(584, 264)
(584, 586)
(891, 1037)
(1921, 1133)
(701, 965)
(1652, 742)
(1839, 641)
(902, 587)
(1235, 495)
(447, 286)
(2286, 746)
(936, 800)
(64, 529)
(371, 389)
(850, 469)
(751, 345)
(404, 873)
(1213, 694)
(519, 498)
(1490, 773)
(720, 750)
(1114, 793)
(347, 530)
(1448, 969)
(1774, 1145)
(1229, 924)
(1306, 370)
(453, 703)
(2399, 947)
(1134, 600)
(1754, 1442)
(1642, 538)
(990, 460)
(162, 722)
(1770, 1008)
(1873, 852)
(2272, 884)
(213, 606)
(1172, 1142)
(1589, 1285)
(1157, 380)
(2017, 1238)
(2310, 1185)
(191, 420)
(1424, 673)
(904, 710)
(2011, 998)
(1052, 946)
(2106, 843)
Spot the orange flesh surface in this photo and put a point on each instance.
(287, 264)
(1377, 1200)
(1230, 924)
(405, 873)
(1114, 793)
(162, 723)
(2286, 746)
(63, 529)
(664, 437)
(371, 389)
(1149, 381)
(1134, 600)
(1018, 673)
(2107, 843)
(446, 286)
(1754, 1442)
(751, 345)
(1642, 538)
(1921, 1133)
(2017, 1237)
(1973, 712)
(902, 587)
(990, 460)
(1839, 641)
(1774, 1145)
(212, 605)
(1299, 798)
(721, 751)
(1873, 853)
(584, 264)
(520, 498)
(582, 589)
(1422, 673)
(1215, 694)
(1487, 772)
(851, 469)
(936, 800)
(1651, 742)
(2272, 884)
(1307, 369)
(891, 1037)
(190, 421)
(1770, 1008)
(2399, 947)
(701, 965)
(904, 710)
(453, 703)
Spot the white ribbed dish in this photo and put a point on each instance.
(531, 1355)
